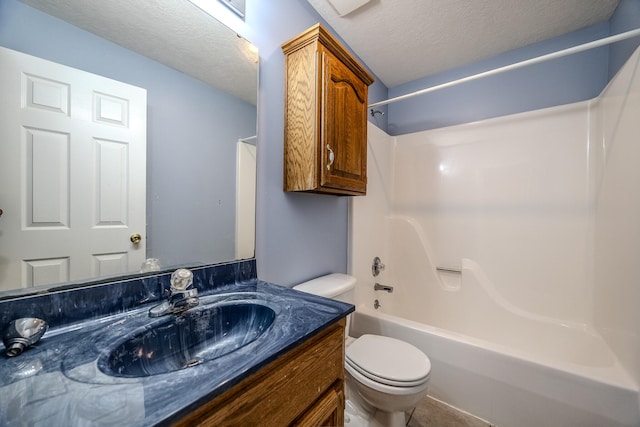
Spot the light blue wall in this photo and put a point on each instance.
(299, 236)
(184, 116)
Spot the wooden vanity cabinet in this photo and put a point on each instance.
(326, 96)
(304, 387)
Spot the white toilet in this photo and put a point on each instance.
(384, 376)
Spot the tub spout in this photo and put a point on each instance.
(379, 287)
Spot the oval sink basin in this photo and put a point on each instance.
(187, 340)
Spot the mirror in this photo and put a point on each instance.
(200, 80)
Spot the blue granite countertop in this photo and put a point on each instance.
(58, 382)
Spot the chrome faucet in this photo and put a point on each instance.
(21, 333)
(181, 297)
(379, 287)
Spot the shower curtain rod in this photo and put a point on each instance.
(549, 56)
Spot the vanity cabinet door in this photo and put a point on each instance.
(303, 387)
(344, 127)
(328, 411)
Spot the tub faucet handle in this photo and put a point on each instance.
(377, 266)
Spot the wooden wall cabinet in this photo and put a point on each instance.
(304, 387)
(325, 137)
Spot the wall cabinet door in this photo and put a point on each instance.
(325, 141)
(344, 125)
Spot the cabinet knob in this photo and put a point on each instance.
(331, 157)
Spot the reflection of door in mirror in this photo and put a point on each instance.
(80, 182)
(246, 198)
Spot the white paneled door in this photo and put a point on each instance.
(245, 200)
(72, 173)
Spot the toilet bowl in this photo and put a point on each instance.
(385, 376)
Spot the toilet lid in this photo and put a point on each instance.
(388, 360)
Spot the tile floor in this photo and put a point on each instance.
(433, 413)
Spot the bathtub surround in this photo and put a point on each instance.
(626, 17)
(540, 212)
(615, 156)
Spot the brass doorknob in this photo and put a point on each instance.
(135, 238)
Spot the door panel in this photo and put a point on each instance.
(46, 166)
(343, 125)
(78, 190)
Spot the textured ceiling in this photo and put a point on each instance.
(175, 33)
(403, 40)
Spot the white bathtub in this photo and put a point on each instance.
(510, 387)
(545, 249)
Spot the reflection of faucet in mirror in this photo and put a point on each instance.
(181, 297)
(149, 265)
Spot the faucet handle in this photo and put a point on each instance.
(181, 279)
(184, 300)
(21, 333)
(379, 287)
(377, 266)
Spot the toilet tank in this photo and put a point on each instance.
(336, 286)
